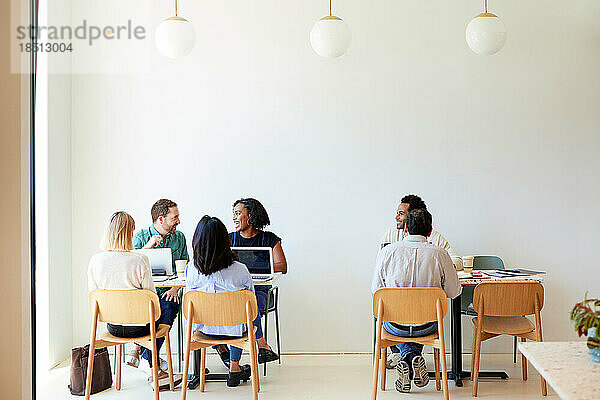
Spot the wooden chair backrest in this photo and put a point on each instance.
(508, 299)
(226, 308)
(124, 306)
(409, 305)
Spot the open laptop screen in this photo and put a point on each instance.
(257, 259)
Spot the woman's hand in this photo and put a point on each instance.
(171, 295)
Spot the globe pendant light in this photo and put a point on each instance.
(175, 36)
(486, 33)
(330, 36)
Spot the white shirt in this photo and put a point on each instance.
(413, 262)
(230, 279)
(119, 270)
(394, 234)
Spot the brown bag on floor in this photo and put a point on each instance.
(101, 375)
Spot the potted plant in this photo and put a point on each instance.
(586, 320)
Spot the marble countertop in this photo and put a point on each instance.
(567, 367)
(467, 279)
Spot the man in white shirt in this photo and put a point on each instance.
(413, 262)
(397, 233)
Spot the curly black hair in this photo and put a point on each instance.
(414, 202)
(257, 215)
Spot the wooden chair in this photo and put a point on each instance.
(134, 307)
(226, 308)
(410, 306)
(504, 307)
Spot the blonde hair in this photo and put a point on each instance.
(119, 233)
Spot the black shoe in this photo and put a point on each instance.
(266, 355)
(234, 378)
(225, 358)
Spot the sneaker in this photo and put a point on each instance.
(403, 381)
(421, 376)
(392, 360)
(162, 365)
(133, 358)
(163, 381)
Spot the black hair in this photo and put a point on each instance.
(419, 222)
(212, 246)
(257, 215)
(414, 202)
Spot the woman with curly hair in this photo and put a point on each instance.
(250, 218)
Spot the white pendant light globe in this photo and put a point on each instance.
(330, 37)
(175, 37)
(486, 34)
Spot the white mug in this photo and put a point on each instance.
(180, 267)
(467, 261)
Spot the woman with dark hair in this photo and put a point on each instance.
(250, 218)
(213, 269)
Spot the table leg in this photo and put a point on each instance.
(194, 380)
(456, 373)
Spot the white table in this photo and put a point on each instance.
(566, 366)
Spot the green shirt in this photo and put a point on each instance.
(174, 241)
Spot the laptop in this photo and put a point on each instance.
(161, 260)
(258, 260)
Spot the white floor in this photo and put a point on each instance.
(315, 377)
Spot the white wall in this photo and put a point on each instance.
(504, 149)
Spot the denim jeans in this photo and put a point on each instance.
(408, 351)
(168, 313)
(235, 353)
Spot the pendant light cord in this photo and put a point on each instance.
(484, 5)
(176, 7)
(330, 8)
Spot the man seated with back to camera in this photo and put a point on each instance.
(413, 262)
(398, 232)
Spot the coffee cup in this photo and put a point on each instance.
(468, 263)
(180, 268)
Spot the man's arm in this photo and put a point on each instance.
(378, 274)
(450, 282)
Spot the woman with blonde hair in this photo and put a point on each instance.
(118, 268)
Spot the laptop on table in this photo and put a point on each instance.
(161, 260)
(258, 260)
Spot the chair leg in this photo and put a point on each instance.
(169, 361)
(524, 362)
(473, 352)
(277, 330)
(155, 367)
(436, 362)
(476, 364)
(376, 371)
(444, 370)
(90, 371)
(254, 361)
(515, 351)
(383, 370)
(265, 328)
(544, 388)
(118, 350)
(186, 365)
(202, 368)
